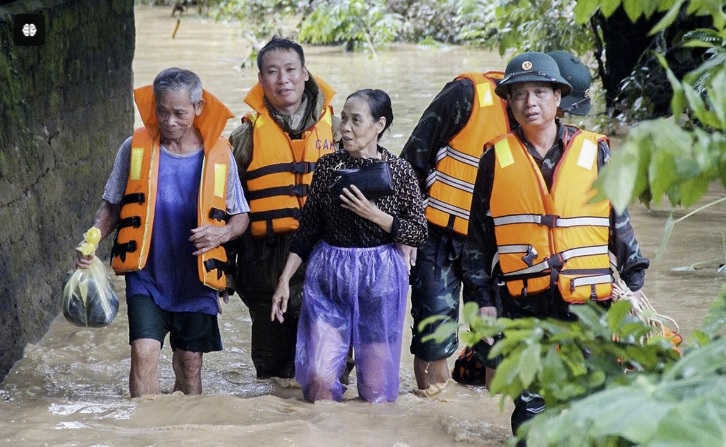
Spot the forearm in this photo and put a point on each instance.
(236, 225)
(107, 218)
(293, 263)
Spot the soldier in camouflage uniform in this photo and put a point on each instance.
(444, 150)
(534, 88)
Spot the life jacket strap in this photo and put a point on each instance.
(297, 167)
(300, 190)
(217, 214)
(120, 250)
(295, 213)
(136, 197)
(133, 221)
(215, 264)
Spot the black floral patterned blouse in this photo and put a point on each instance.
(326, 220)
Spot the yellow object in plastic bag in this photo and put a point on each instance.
(89, 298)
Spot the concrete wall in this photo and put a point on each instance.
(64, 109)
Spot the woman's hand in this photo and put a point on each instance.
(409, 255)
(279, 300)
(353, 199)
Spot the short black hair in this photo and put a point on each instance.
(278, 44)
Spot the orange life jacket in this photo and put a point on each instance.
(551, 237)
(280, 172)
(131, 249)
(451, 183)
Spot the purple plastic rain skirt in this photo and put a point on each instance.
(352, 296)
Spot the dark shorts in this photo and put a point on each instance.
(188, 331)
(436, 283)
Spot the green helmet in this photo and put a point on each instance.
(532, 66)
(578, 75)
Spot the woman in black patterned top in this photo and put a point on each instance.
(356, 281)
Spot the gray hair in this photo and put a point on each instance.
(176, 79)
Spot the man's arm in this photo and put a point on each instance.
(479, 285)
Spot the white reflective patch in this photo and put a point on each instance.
(587, 155)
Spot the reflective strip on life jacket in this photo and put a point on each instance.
(131, 248)
(451, 183)
(546, 238)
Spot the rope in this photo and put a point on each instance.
(642, 309)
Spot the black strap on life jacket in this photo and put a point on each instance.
(276, 214)
(120, 250)
(217, 214)
(133, 221)
(296, 167)
(300, 190)
(136, 197)
(214, 263)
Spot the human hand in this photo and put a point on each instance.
(353, 199)
(208, 237)
(224, 296)
(279, 301)
(488, 311)
(409, 255)
(83, 261)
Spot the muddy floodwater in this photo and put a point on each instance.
(71, 388)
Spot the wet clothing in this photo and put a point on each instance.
(260, 261)
(624, 248)
(323, 219)
(448, 129)
(170, 275)
(166, 295)
(188, 331)
(355, 287)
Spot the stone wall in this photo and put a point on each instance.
(64, 109)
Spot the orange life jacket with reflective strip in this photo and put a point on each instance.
(451, 183)
(551, 237)
(279, 175)
(131, 248)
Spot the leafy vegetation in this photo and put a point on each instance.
(356, 23)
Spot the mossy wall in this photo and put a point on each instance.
(64, 109)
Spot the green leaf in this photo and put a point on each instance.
(616, 181)
(668, 19)
(633, 8)
(529, 364)
(692, 190)
(585, 9)
(608, 7)
(661, 173)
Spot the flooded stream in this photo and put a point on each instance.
(71, 388)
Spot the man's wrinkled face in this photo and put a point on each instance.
(175, 113)
(534, 104)
(283, 79)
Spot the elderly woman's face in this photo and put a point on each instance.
(175, 113)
